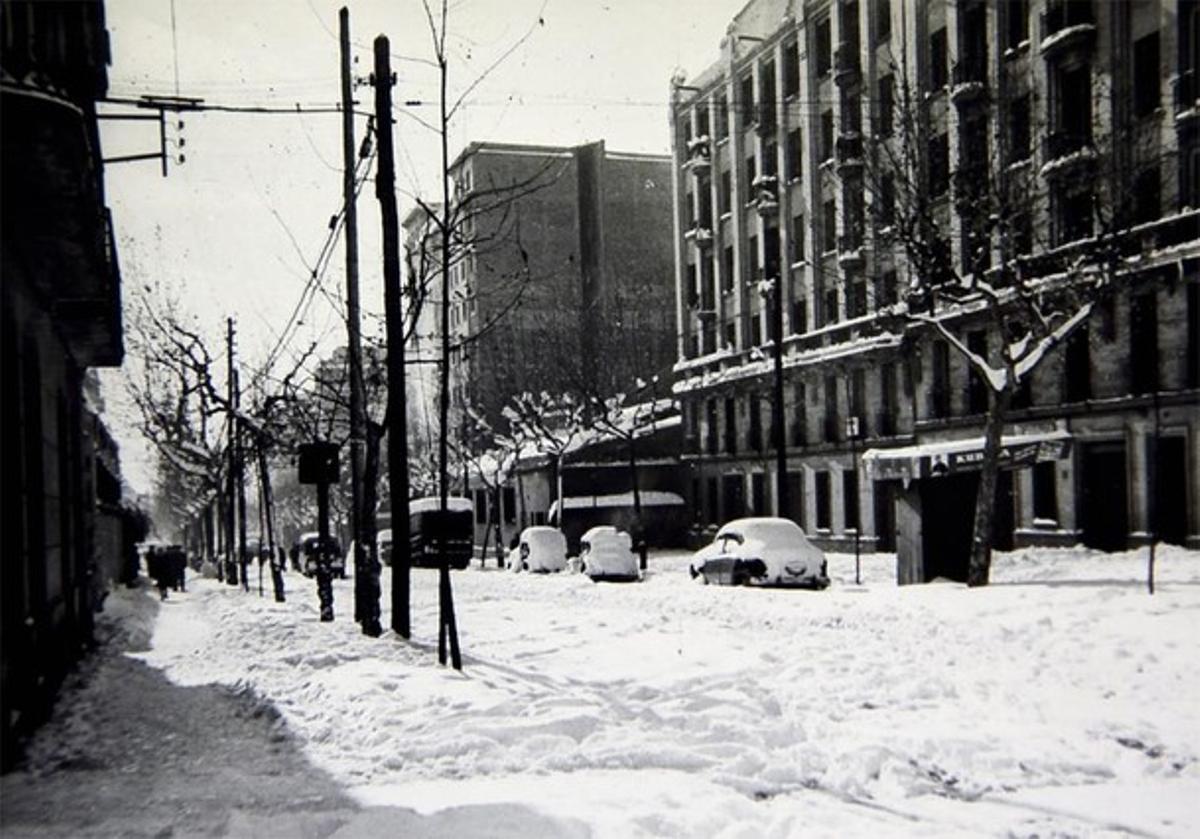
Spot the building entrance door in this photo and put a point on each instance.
(1102, 495)
(1170, 490)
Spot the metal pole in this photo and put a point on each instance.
(857, 511)
(778, 432)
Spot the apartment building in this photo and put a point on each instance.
(792, 155)
(560, 276)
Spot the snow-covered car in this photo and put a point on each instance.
(307, 546)
(607, 554)
(541, 550)
(761, 551)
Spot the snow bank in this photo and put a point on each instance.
(670, 708)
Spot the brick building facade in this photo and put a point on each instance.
(769, 150)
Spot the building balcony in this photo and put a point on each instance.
(849, 152)
(1067, 153)
(969, 82)
(700, 235)
(1186, 94)
(846, 64)
(699, 153)
(766, 195)
(851, 254)
(1068, 27)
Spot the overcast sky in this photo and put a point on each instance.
(236, 229)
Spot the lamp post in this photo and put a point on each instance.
(852, 431)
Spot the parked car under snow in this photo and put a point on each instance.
(761, 551)
(541, 550)
(607, 554)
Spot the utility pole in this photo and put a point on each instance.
(778, 434)
(385, 191)
(240, 461)
(231, 425)
(366, 566)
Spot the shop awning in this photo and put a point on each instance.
(933, 460)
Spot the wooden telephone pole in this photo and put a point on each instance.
(385, 191)
(366, 564)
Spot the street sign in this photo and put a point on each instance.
(319, 463)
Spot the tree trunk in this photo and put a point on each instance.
(639, 537)
(368, 530)
(499, 533)
(985, 501)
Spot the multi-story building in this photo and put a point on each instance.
(61, 315)
(560, 276)
(1084, 110)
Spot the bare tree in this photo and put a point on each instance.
(972, 249)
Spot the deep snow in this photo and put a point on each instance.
(1059, 700)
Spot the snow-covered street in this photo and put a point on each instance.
(1059, 700)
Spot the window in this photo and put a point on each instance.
(770, 157)
(887, 200)
(887, 399)
(1147, 196)
(831, 410)
(710, 430)
(710, 502)
(795, 156)
(756, 426)
(829, 220)
(1146, 75)
(939, 395)
(939, 165)
(751, 175)
(771, 249)
(850, 499)
(856, 299)
(799, 416)
(702, 129)
(721, 115)
(883, 20)
(797, 238)
(725, 196)
(690, 201)
(1018, 128)
(766, 99)
(1045, 495)
(730, 426)
(937, 59)
(826, 135)
(822, 493)
(858, 398)
(1074, 213)
(758, 493)
(885, 289)
(823, 48)
(747, 103)
(727, 270)
(1077, 369)
(887, 104)
(1193, 334)
(800, 316)
(1143, 339)
(830, 308)
(791, 69)
(1018, 22)
(755, 340)
(977, 389)
(509, 502)
(752, 247)
(731, 335)
(693, 290)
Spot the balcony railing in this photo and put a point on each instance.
(1066, 151)
(699, 154)
(970, 80)
(766, 194)
(849, 150)
(1186, 94)
(1068, 25)
(846, 63)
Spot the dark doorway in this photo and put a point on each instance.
(885, 515)
(1170, 491)
(733, 492)
(1104, 516)
(795, 489)
(947, 522)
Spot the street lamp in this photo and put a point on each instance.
(852, 431)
